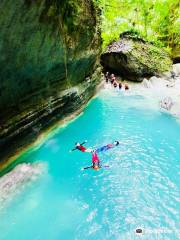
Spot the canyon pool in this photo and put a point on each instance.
(140, 189)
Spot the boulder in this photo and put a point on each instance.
(133, 58)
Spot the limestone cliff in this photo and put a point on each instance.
(176, 53)
(49, 52)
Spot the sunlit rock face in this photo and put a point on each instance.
(49, 63)
(133, 58)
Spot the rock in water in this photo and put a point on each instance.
(134, 58)
(166, 103)
(49, 64)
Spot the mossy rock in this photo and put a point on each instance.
(134, 58)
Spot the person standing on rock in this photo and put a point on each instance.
(115, 84)
(120, 86)
(173, 75)
(107, 77)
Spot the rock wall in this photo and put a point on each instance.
(176, 53)
(48, 63)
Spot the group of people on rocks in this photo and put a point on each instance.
(110, 78)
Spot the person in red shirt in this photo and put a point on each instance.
(95, 161)
(80, 147)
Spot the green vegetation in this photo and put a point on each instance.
(157, 21)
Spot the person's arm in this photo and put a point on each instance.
(74, 149)
(83, 142)
(87, 167)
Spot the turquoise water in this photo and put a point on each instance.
(139, 190)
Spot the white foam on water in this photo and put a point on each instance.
(91, 215)
(13, 182)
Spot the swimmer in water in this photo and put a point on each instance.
(80, 147)
(95, 161)
(107, 147)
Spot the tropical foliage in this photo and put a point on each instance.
(155, 20)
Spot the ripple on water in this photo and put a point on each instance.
(140, 189)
